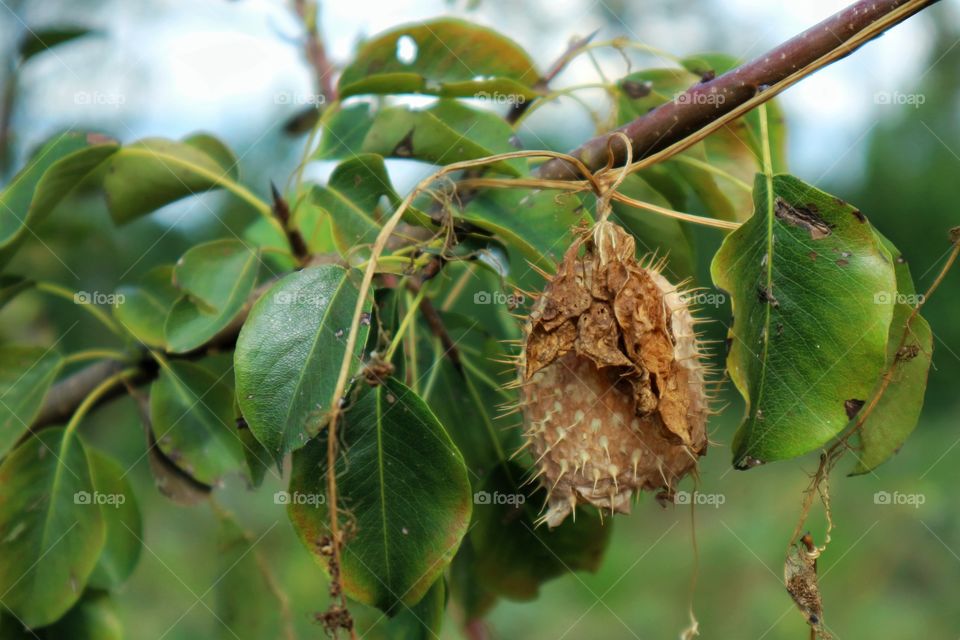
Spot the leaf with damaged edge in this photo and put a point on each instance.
(809, 335)
(897, 411)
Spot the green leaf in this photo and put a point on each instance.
(272, 243)
(26, 374)
(216, 279)
(512, 556)
(143, 309)
(445, 133)
(35, 42)
(466, 401)
(52, 532)
(535, 223)
(445, 57)
(122, 518)
(810, 336)
(897, 411)
(352, 199)
(192, 413)
(93, 618)
(289, 352)
(154, 172)
(48, 178)
(405, 485)
(344, 132)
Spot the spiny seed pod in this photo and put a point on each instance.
(613, 390)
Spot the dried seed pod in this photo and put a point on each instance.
(613, 388)
(800, 578)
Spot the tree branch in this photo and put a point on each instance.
(705, 102)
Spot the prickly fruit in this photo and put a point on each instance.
(613, 388)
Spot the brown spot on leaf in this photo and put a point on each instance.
(842, 262)
(859, 215)
(765, 294)
(636, 90)
(804, 216)
(852, 407)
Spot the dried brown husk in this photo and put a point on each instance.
(613, 387)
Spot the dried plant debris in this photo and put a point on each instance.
(800, 578)
(613, 384)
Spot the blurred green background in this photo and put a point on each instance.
(892, 571)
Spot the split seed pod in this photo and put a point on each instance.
(612, 384)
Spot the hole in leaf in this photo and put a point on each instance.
(406, 50)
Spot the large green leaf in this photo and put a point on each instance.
(51, 528)
(192, 413)
(26, 374)
(216, 279)
(444, 133)
(405, 485)
(810, 334)
(52, 174)
(122, 518)
(897, 411)
(289, 353)
(444, 57)
(143, 309)
(154, 172)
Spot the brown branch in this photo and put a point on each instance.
(703, 103)
(316, 52)
(281, 210)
